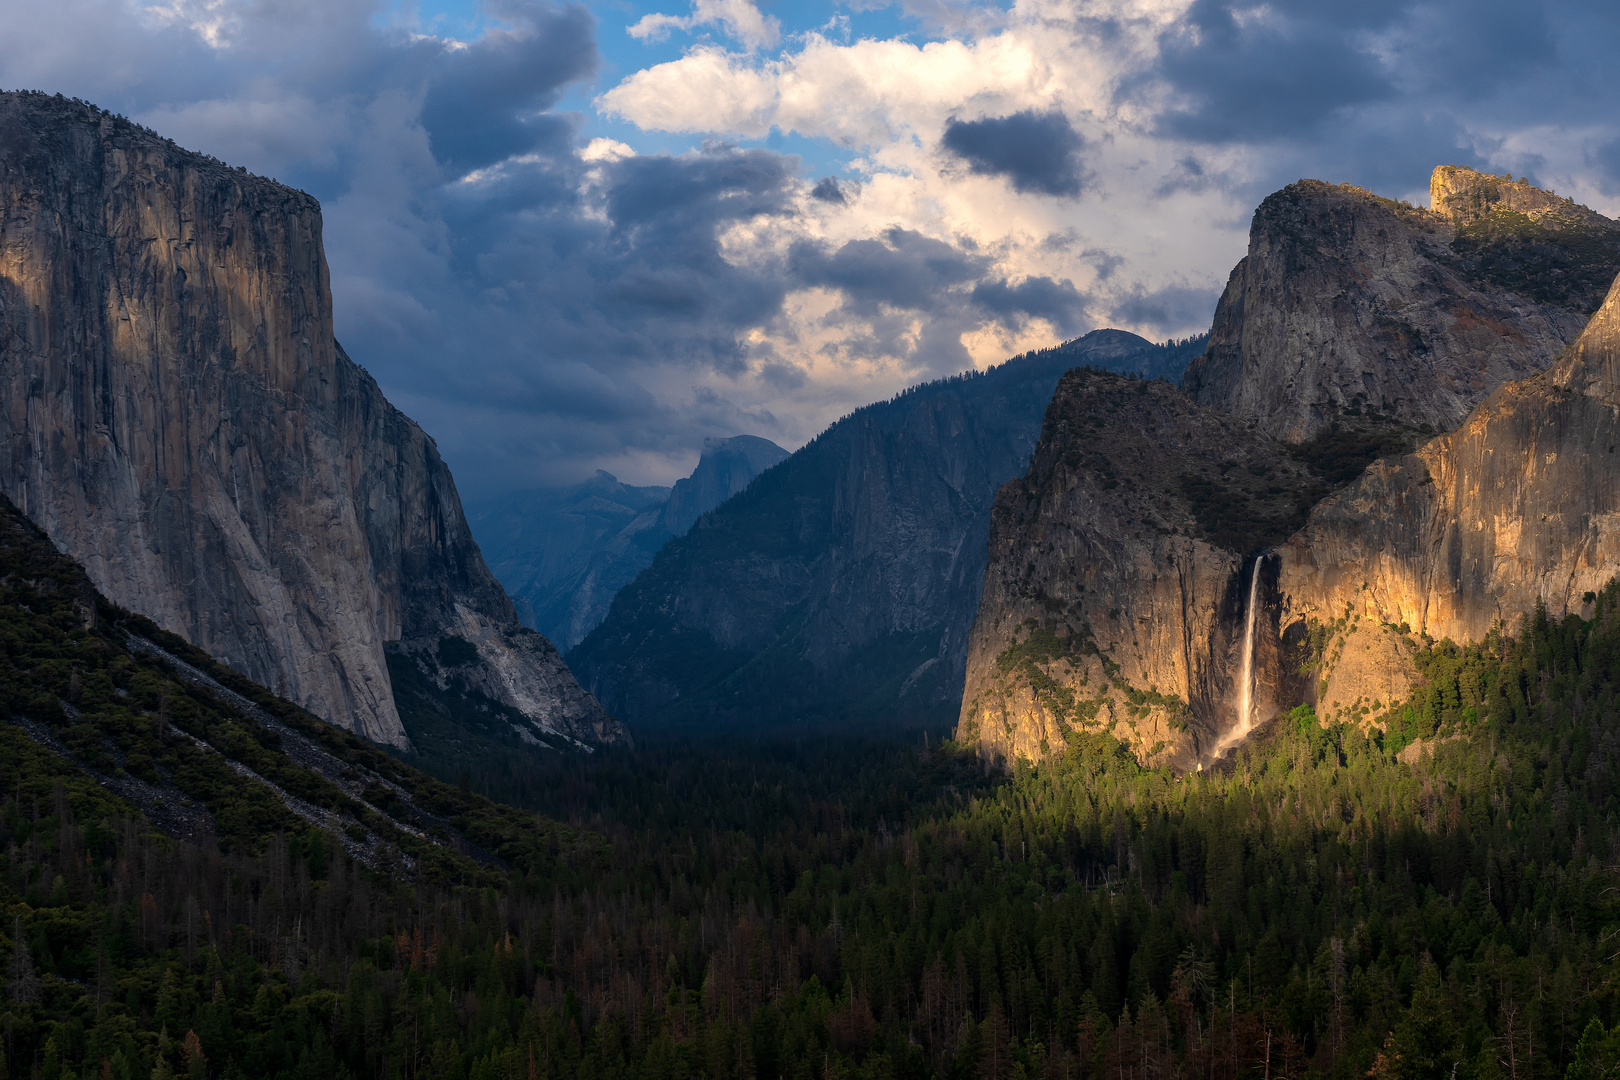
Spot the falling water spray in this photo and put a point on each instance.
(1245, 717)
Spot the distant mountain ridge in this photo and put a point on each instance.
(840, 586)
(564, 552)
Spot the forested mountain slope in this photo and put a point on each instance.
(94, 695)
(1427, 902)
(840, 586)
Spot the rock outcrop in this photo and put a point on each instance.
(1351, 307)
(1117, 589)
(840, 586)
(564, 553)
(1519, 506)
(1465, 196)
(178, 417)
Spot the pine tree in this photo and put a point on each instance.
(24, 983)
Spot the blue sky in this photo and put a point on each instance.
(566, 237)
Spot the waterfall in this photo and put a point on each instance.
(1245, 717)
(1246, 699)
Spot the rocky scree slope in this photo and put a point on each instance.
(563, 553)
(90, 692)
(1519, 507)
(1115, 593)
(178, 415)
(840, 586)
(1357, 313)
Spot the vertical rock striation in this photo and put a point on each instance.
(178, 417)
(1519, 506)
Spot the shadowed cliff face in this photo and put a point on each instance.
(1402, 318)
(1108, 607)
(1118, 579)
(178, 417)
(1519, 506)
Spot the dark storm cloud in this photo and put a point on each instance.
(900, 268)
(1169, 309)
(1038, 151)
(1058, 302)
(1275, 73)
(542, 314)
(1607, 159)
(486, 102)
(1300, 69)
(828, 189)
(644, 281)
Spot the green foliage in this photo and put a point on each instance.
(1562, 260)
(1349, 444)
(849, 907)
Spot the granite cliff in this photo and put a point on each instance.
(563, 553)
(724, 469)
(840, 586)
(1519, 507)
(1115, 595)
(1369, 314)
(1109, 604)
(178, 417)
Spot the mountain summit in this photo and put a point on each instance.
(839, 587)
(1370, 314)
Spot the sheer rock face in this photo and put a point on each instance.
(178, 417)
(564, 553)
(1519, 506)
(1117, 588)
(1349, 301)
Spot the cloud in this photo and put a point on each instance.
(487, 102)
(739, 18)
(828, 189)
(548, 295)
(1168, 308)
(900, 269)
(1273, 72)
(1058, 302)
(1037, 151)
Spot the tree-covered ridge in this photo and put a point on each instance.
(201, 751)
(838, 908)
